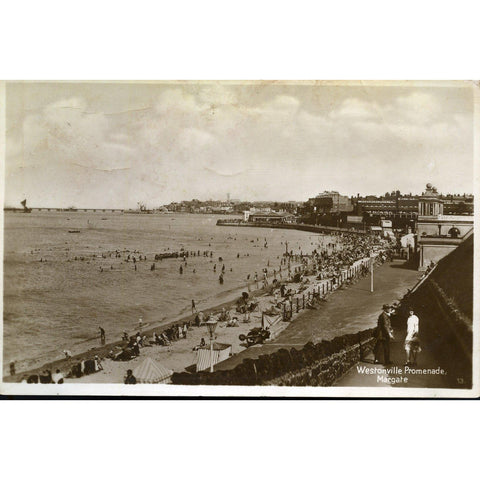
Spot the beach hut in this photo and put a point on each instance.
(221, 351)
(376, 230)
(152, 372)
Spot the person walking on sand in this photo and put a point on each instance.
(412, 343)
(102, 335)
(194, 308)
(383, 335)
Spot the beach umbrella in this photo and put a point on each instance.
(151, 372)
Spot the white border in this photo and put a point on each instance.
(264, 391)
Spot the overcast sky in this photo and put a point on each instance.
(113, 145)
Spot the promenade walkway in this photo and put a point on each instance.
(421, 377)
(348, 310)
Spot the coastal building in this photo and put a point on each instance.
(396, 206)
(330, 202)
(222, 210)
(388, 207)
(268, 217)
(375, 230)
(355, 222)
(430, 202)
(458, 204)
(252, 211)
(438, 234)
(387, 229)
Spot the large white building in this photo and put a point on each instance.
(438, 234)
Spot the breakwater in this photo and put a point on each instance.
(290, 226)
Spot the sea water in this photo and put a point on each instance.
(53, 302)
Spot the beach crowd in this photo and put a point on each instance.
(326, 261)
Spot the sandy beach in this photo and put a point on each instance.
(181, 355)
(60, 303)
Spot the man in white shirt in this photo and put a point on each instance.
(411, 340)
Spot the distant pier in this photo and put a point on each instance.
(73, 210)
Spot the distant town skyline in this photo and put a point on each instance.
(233, 201)
(112, 145)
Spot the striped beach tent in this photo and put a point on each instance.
(221, 351)
(152, 372)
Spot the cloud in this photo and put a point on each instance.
(356, 109)
(417, 107)
(64, 133)
(208, 139)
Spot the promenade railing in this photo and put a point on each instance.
(294, 303)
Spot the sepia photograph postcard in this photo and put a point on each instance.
(239, 238)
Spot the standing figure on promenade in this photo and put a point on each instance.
(383, 335)
(412, 342)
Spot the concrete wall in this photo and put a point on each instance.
(435, 253)
(314, 364)
(325, 372)
(444, 331)
(432, 227)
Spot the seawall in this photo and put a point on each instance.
(315, 364)
(290, 226)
